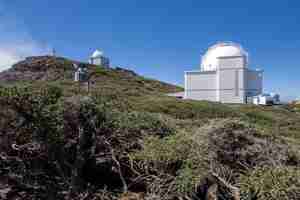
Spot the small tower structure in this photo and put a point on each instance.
(53, 52)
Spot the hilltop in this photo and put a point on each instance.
(51, 69)
(125, 139)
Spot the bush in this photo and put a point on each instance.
(229, 144)
(182, 156)
(39, 111)
(271, 183)
(145, 123)
(297, 107)
(183, 109)
(159, 145)
(259, 118)
(241, 146)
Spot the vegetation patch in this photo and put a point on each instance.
(125, 139)
(183, 109)
(271, 183)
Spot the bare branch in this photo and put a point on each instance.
(234, 190)
(113, 156)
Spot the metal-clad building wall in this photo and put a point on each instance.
(208, 95)
(198, 80)
(231, 86)
(254, 82)
(101, 61)
(200, 85)
(231, 81)
(231, 62)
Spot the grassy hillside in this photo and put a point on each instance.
(60, 71)
(125, 139)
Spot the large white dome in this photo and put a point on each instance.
(97, 54)
(223, 49)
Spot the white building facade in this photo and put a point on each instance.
(224, 76)
(98, 58)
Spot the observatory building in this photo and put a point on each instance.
(224, 76)
(97, 58)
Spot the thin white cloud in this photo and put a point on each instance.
(16, 43)
(7, 59)
(13, 52)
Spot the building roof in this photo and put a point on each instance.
(199, 72)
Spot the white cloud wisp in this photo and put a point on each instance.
(16, 42)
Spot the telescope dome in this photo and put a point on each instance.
(223, 49)
(97, 54)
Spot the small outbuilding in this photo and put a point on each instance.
(81, 73)
(266, 99)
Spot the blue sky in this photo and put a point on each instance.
(158, 38)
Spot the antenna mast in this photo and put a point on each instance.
(53, 53)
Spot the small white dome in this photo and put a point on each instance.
(97, 54)
(223, 49)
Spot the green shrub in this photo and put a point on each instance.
(271, 183)
(145, 123)
(183, 156)
(259, 118)
(164, 154)
(241, 146)
(39, 111)
(100, 71)
(110, 99)
(183, 109)
(233, 144)
(297, 108)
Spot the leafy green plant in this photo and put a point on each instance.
(259, 118)
(183, 109)
(39, 111)
(183, 156)
(271, 183)
(145, 123)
